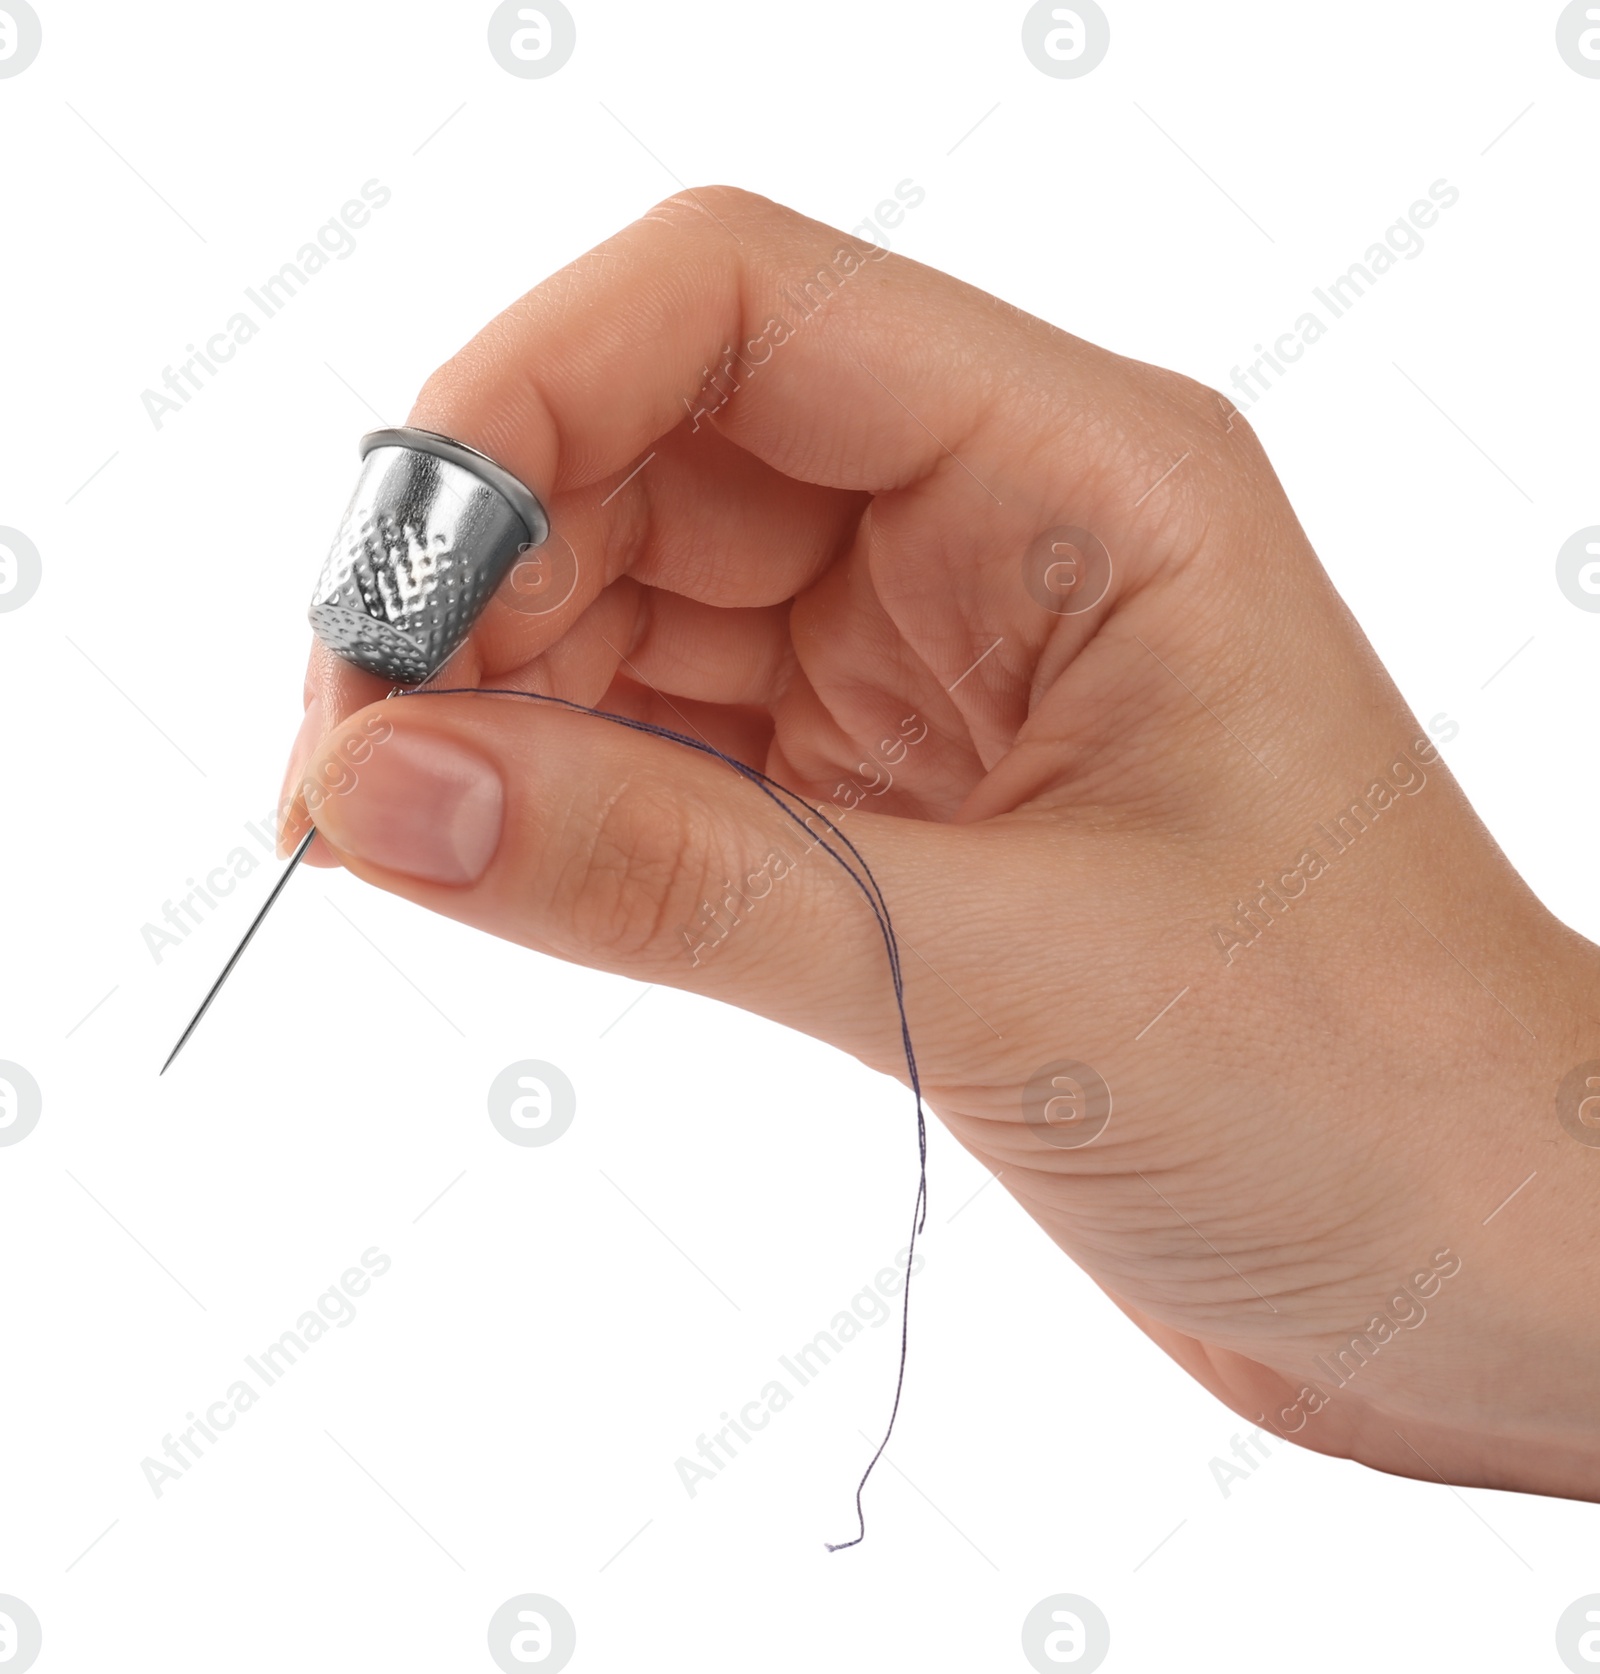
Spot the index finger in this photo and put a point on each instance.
(719, 305)
(834, 365)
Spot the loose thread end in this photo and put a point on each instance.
(868, 885)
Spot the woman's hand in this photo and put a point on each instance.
(1205, 951)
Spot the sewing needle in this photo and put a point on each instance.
(402, 607)
(227, 970)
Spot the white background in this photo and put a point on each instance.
(504, 1414)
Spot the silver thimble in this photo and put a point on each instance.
(431, 531)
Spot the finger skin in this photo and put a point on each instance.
(637, 855)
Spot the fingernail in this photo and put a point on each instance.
(418, 804)
(292, 824)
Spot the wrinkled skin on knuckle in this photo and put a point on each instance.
(1225, 491)
(717, 204)
(639, 875)
(1220, 428)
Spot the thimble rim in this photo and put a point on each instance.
(522, 500)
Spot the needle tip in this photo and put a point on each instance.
(255, 924)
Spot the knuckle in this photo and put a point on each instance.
(1213, 410)
(441, 388)
(714, 205)
(1210, 422)
(639, 876)
(1195, 400)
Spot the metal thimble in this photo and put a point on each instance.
(431, 531)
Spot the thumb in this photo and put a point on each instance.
(627, 852)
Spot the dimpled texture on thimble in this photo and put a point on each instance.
(423, 545)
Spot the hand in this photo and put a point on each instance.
(1038, 625)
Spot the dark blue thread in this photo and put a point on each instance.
(868, 885)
